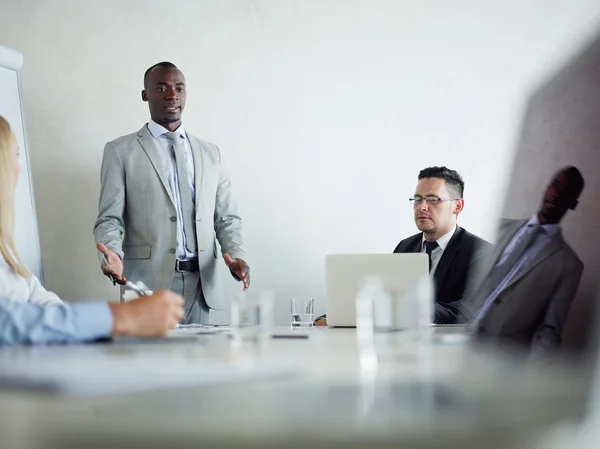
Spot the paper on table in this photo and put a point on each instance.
(197, 329)
(205, 326)
(129, 294)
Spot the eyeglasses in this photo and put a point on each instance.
(432, 200)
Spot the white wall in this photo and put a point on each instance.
(326, 111)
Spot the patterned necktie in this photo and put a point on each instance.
(185, 191)
(429, 247)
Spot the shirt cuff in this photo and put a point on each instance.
(94, 320)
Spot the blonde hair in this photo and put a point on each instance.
(7, 202)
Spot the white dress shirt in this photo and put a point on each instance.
(436, 254)
(16, 288)
(163, 144)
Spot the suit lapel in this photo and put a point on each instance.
(503, 242)
(417, 245)
(147, 143)
(198, 168)
(553, 246)
(505, 237)
(448, 256)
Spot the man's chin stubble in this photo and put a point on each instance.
(427, 230)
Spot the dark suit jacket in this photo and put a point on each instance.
(531, 311)
(458, 271)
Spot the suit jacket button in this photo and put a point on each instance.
(172, 250)
(173, 219)
(497, 301)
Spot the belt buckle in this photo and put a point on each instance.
(177, 262)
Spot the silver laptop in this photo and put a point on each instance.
(344, 274)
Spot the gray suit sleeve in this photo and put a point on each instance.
(110, 224)
(227, 220)
(548, 336)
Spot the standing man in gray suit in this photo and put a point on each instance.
(525, 299)
(165, 200)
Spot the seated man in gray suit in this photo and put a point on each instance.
(525, 298)
(165, 200)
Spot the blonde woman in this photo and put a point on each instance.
(31, 314)
(16, 283)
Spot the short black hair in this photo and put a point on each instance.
(452, 178)
(158, 64)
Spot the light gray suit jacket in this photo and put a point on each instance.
(136, 210)
(531, 311)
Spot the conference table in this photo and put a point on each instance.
(419, 388)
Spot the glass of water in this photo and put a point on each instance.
(251, 316)
(302, 312)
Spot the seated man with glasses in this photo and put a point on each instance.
(455, 255)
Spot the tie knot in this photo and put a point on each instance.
(534, 228)
(430, 246)
(174, 137)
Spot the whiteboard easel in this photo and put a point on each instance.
(11, 108)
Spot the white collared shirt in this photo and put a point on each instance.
(163, 144)
(436, 254)
(16, 288)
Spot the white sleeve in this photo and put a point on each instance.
(39, 295)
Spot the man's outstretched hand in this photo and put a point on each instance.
(113, 265)
(239, 269)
